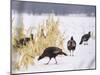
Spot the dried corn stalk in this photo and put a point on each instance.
(48, 34)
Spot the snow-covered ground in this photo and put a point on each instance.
(84, 55)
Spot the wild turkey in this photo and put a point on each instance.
(71, 45)
(85, 38)
(24, 41)
(52, 52)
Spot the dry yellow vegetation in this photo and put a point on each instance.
(48, 34)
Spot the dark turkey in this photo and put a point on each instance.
(24, 41)
(52, 52)
(85, 38)
(71, 45)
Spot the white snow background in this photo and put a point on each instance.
(73, 25)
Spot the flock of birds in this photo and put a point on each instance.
(71, 45)
(52, 52)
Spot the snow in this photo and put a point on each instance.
(84, 55)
